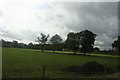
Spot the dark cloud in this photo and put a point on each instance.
(99, 17)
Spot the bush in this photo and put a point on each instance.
(93, 67)
(90, 68)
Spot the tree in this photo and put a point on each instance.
(72, 42)
(116, 44)
(87, 40)
(22, 45)
(15, 44)
(6, 43)
(42, 40)
(55, 40)
(30, 45)
(96, 49)
(3, 42)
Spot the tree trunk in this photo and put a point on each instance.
(74, 52)
(84, 53)
(42, 47)
(53, 48)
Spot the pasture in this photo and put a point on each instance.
(28, 63)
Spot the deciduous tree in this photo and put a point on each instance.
(116, 44)
(87, 40)
(55, 40)
(42, 40)
(72, 42)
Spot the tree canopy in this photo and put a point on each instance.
(83, 40)
(116, 44)
(42, 39)
(87, 40)
(72, 42)
(55, 40)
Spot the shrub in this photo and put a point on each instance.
(90, 68)
(93, 67)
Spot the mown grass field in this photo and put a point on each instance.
(28, 63)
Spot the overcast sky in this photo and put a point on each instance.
(24, 20)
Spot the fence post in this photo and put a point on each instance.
(105, 68)
(43, 72)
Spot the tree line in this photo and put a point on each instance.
(81, 41)
(77, 42)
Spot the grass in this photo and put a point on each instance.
(28, 63)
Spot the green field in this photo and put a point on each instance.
(28, 63)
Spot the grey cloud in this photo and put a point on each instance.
(23, 35)
(10, 35)
(30, 35)
(100, 17)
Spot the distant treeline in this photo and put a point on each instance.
(15, 44)
(60, 47)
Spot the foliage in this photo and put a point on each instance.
(87, 40)
(89, 68)
(84, 40)
(92, 68)
(116, 44)
(14, 44)
(42, 40)
(96, 49)
(72, 42)
(55, 40)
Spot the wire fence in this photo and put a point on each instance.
(48, 72)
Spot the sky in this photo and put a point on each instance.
(24, 20)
